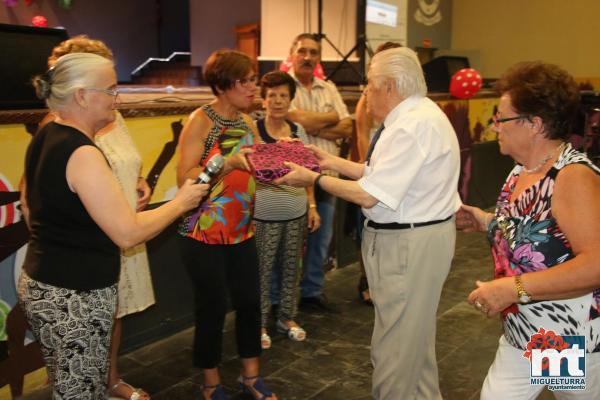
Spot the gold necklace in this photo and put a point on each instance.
(545, 160)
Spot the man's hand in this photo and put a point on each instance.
(298, 176)
(313, 121)
(325, 159)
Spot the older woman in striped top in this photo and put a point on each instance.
(282, 214)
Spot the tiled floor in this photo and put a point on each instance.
(333, 363)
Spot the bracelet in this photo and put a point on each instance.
(312, 206)
(316, 183)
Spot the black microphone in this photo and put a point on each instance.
(213, 167)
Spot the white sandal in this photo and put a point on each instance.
(136, 394)
(295, 333)
(265, 341)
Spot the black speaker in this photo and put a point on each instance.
(439, 71)
(25, 51)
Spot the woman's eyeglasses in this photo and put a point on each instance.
(111, 92)
(247, 82)
(497, 121)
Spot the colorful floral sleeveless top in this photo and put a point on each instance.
(525, 237)
(225, 217)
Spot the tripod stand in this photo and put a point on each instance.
(361, 43)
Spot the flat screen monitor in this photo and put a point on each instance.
(25, 51)
(379, 12)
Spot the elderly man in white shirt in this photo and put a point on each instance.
(408, 192)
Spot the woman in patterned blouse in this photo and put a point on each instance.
(544, 235)
(218, 246)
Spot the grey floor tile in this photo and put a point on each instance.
(182, 390)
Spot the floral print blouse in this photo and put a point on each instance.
(225, 217)
(525, 237)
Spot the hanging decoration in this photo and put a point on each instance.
(10, 3)
(40, 21)
(465, 83)
(428, 13)
(66, 4)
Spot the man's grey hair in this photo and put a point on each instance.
(402, 66)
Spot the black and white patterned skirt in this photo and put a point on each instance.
(74, 331)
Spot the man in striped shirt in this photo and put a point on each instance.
(319, 108)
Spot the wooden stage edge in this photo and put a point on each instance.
(151, 101)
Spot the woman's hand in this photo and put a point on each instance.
(238, 161)
(190, 194)
(314, 219)
(298, 176)
(288, 139)
(472, 219)
(144, 192)
(494, 296)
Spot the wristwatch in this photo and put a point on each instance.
(524, 296)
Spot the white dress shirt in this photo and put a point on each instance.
(415, 166)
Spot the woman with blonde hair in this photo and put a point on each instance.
(135, 291)
(78, 218)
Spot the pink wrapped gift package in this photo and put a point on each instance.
(267, 159)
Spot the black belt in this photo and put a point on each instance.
(395, 225)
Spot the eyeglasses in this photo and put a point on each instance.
(497, 121)
(246, 82)
(111, 92)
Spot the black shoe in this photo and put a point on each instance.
(318, 303)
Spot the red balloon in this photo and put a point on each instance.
(465, 83)
(40, 21)
(286, 65)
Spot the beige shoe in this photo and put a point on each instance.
(265, 341)
(295, 333)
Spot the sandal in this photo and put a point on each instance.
(218, 392)
(256, 387)
(295, 333)
(136, 394)
(265, 341)
(363, 291)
